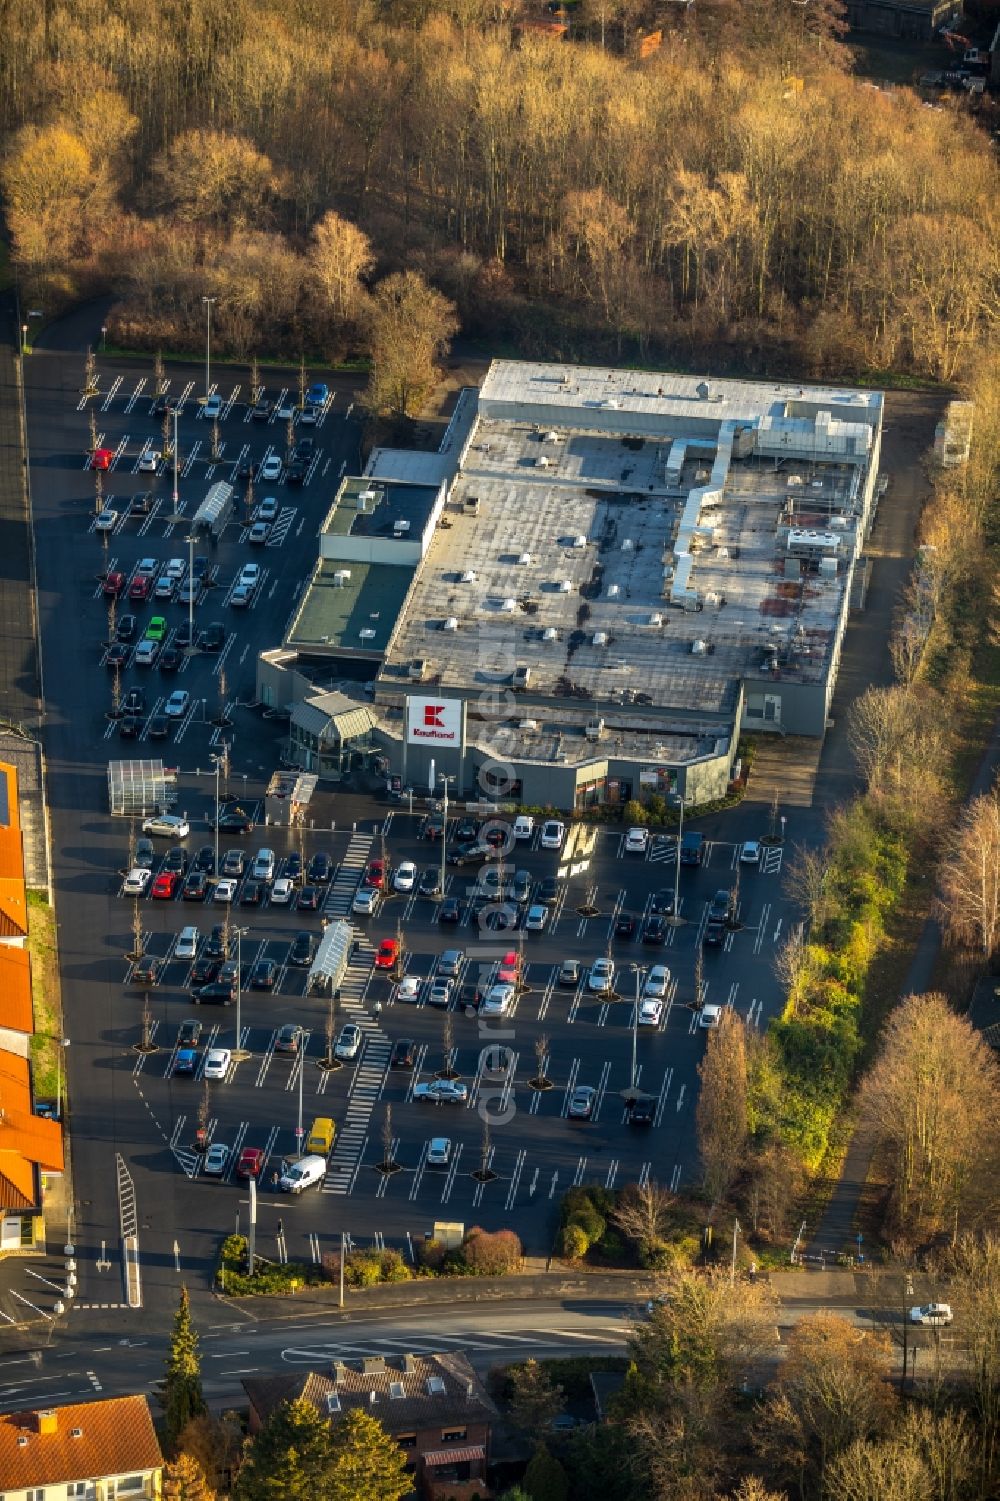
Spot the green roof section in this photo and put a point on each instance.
(350, 607)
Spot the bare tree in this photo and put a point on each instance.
(447, 1046)
(254, 377)
(699, 980)
(930, 1100)
(159, 373)
(146, 1044)
(387, 1137)
(541, 1055)
(722, 1104)
(975, 1272)
(112, 616)
(805, 882)
(970, 878)
(330, 1028)
(643, 1215)
(215, 441)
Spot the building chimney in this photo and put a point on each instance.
(47, 1421)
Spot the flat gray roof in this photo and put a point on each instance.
(350, 609)
(373, 508)
(563, 571)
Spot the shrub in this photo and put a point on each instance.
(270, 1278)
(369, 1268)
(573, 1243)
(491, 1253)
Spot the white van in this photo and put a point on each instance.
(302, 1174)
(524, 826)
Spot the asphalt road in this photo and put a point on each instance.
(133, 1119)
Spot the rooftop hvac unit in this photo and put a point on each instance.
(341, 578)
(838, 523)
(579, 540)
(699, 648)
(549, 633)
(595, 729)
(543, 462)
(508, 606)
(451, 624)
(656, 618)
(528, 724)
(793, 481)
(703, 389)
(551, 438)
(828, 567)
(469, 576)
(627, 544)
(612, 403)
(524, 559)
(565, 585)
(613, 591)
(600, 638)
(417, 670)
(400, 526)
(713, 601)
(367, 634)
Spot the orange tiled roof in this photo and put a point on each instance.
(113, 1437)
(13, 900)
(26, 1140)
(15, 989)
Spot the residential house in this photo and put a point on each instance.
(435, 1407)
(13, 896)
(31, 1150)
(87, 1451)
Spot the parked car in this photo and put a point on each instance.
(264, 975)
(405, 875)
(177, 704)
(601, 979)
(553, 834)
(250, 1163)
(302, 951)
(569, 973)
(582, 1102)
(305, 1173)
(217, 1063)
(934, 1315)
(320, 869)
(403, 1053)
(288, 1039)
(450, 910)
(217, 1156)
(408, 988)
(442, 1092)
(282, 892)
(537, 919)
(387, 954)
(168, 824)
(136, 881)
(710, 1016)
(348, 1044)
(165, 886)
(637, 841)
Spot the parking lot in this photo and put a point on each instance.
(512, 1147)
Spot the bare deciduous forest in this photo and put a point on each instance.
(735, 198)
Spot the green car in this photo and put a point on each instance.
(157, 628)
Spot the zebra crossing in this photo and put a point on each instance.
(345, 883)
(368, 1080)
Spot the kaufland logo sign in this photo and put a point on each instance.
(435, 720)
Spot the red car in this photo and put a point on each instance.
(375, 874)
(101, 458)
(510, 969)
(387, 954)
(251, 1162)
(114, 583)
(139, 588)
(165, 885)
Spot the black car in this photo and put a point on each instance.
(320, 869)
(213, 637)
(244, 469)
(310, 899)
(176, 859)
(164, 405)
(205, 859)
(661, 903)
(234, 863)
(520, 888)
(430, 882)
(466, 831)
(170, 659)
(141, 505)
(183, 636)
(296, 472)
(217, 993)
(117, 654)
(252, 893)
(130, 727)
(305, 450)
(403, 1053)
(468, 853)
(159, 727)
(236, 820)
(147, 971)
(199, 569)
(195, 887)
(643, 1111)
(263, 408)
(293, 868)
(188, 1034)
(450, 910)
(654, 930)
(229, 973)
(302, 950)
(126, 628)
(204, 971)
(625, 926)
(215, 943)
(468, 998)
(548, 891)
(263, 975)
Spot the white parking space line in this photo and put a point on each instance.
(515, 1180)
(419, 1174)
(661, 1099)
(140, 387)
(570, 1086)
(182, 398)
(227, 406)
(452, 1172)
(105, 404)
(189, 461)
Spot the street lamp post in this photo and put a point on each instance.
(208, 341)
(444, 827)
(217, 762)
(191, 649)
(104, 337)
(176, 494)
(675, 917)
(24, 338)
(63, 1043)
(632, 1092)
(906, 1331)
(239, 1052)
